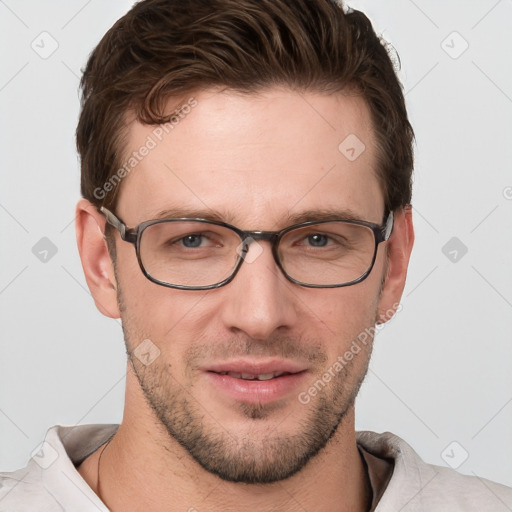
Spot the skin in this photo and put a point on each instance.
(256, 160)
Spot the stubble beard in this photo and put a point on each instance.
(271, 455)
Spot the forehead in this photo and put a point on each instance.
(254, 159)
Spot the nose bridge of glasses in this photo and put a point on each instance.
(248, 237)
(257, 236)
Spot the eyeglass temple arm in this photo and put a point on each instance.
(114, 221)
(388, 227)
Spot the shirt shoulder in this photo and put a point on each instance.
(416, 486)
(50, 482)
(23, 490)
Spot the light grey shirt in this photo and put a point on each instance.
(400, 480)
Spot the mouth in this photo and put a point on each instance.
(256, 381)
(250, 376)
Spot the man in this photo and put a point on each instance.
(246, 181)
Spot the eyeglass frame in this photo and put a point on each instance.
(381, 233)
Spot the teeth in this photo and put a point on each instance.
(266, 376)
(250, 376)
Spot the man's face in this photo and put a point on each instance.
(258, 162)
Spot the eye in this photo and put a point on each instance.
(192, 241)
(328, 239)
(317, 240)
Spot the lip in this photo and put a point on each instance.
(256, 367)
(256, 391)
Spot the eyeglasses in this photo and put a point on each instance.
(199, 254)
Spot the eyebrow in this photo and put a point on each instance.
(178, 213)
(323, 214)
(289, 219)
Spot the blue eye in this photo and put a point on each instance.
(318, 240)
(192, 240)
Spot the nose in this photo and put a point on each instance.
(259, 300)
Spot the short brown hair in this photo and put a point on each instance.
(167, 48)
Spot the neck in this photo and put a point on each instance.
(143, 468)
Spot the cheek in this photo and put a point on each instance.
(343, 312)
(148, 308)
(172, 319)
(351, 328)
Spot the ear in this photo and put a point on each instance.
(400, 246)
(96, 262)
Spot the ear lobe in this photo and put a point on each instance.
(96, 262)
(399, 246)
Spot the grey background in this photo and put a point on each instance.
(441, 371)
